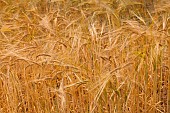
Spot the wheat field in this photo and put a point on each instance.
(84, 56)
